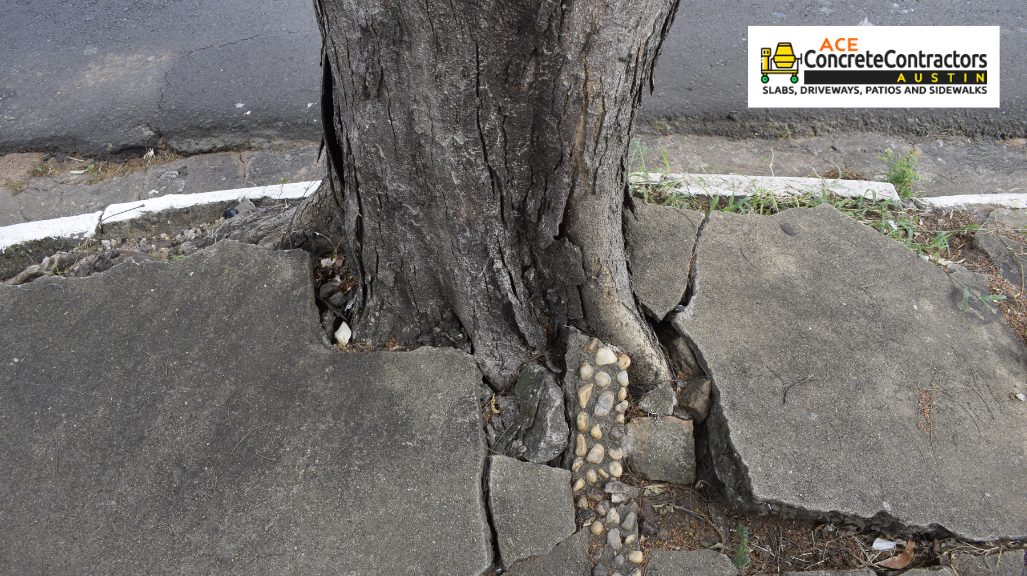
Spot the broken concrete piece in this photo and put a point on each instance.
(1004, 237)
(660, 401)
(662, 449)
(689, 563)
(542, 427)
(695, 398)
(568, 558)
(532, 508)
(659, 242)
(860, 572)
(187, 418)
(848, 381)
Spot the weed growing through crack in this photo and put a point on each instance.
(741, 559)
(911, 227)
(902, 172)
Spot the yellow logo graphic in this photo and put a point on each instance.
(783, 62)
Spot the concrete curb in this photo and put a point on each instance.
(1003, 200)
(739, 186)
(86, 225)
(706, 185)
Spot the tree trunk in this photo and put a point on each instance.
(477, 170)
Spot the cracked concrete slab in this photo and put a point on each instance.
(532, 508)
(189, 418)
(66, 194)
(659, 242)
(850, 383)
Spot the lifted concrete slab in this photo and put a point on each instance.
(188, 418)
(849, 382)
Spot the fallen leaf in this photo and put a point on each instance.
(902, 559)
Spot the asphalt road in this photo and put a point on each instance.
(106, 75)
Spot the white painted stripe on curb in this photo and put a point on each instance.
(131, 210)
(81, 226)
(1003, 200)
(709, 185)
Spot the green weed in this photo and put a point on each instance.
(902, 172)
(741, 558)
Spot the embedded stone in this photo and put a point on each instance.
(622, 378)
(597, 528)
(613, 517)
(579, 485)
(582, 421)
(584, 395)
(605, 356)
(636, 557)
(613, 539)
(580, 447)
(595, 455)
(622, 394)
(602, 379)
(604, 404)
(623, 361)
(591, 476)
(622, 407)
(616, 453)
(596, 432)
(616, 469)
(586, 371)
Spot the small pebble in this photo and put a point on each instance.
(584, 394)
(583, 503)
(582, 421)
(623, 361)
(620, 418)
(578, 463)
(616, 469)
(591, 476)
(636, 556)
(595, 455)
(600, 571)
(604, 404)
(343, 334)
(597, 528)
(622, 407)
(622, 394)
(613, 517)
(602, 508)
(580, 448)
(637, 572)
(630, 539)
(596, 432)
(618, 560)
(613, 539)
(230, 213)
(630, 522)
(604, 473)
(603, 379)
(579, 485)
(605, 356)
(586, 371)
(616, 453)
(592, 345)
(622, 378)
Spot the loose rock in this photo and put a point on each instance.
(662, 449)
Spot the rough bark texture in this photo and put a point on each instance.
(477, 160)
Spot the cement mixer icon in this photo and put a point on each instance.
(783, 62)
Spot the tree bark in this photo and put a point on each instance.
(477, 170)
